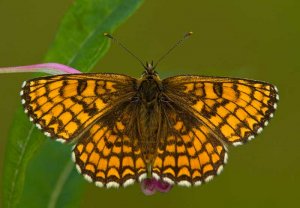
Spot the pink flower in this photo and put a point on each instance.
(149, 186)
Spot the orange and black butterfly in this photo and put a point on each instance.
(126, 129)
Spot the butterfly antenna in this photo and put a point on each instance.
(179, 42)
(124, 47)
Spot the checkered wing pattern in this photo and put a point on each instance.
(190, 154)
(107, 156)
(236, 110)
(197, 118)
(64, 106)
(204, 115)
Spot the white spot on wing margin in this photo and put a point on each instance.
(73, 157)
(259, 130)
(142, 177)
(237, 143)
(88, 178)
(47, 134)
(23, 84)
(128, 182)
(112, 184)
(184, 183)
(251, 137)
(154, 175)
(78, 168)
(225, 157)
(168, 180)
(220, 169)
(208, 178)
(61, 140)
(266, 123)
(99, 184)
(197, 183)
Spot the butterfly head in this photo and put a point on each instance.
(149, 69)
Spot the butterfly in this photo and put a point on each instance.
(125, 129)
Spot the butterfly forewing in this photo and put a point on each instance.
(64, 106)
(234, 109)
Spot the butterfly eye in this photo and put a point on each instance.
(135, 99)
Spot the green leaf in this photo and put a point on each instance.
(51, 180)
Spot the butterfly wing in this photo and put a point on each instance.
(191, 153)
(235, 109)
(201, 116)
(64, 106)
(107, 154)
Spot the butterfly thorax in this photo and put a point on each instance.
(149, 94)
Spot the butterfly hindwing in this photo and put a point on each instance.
(191, 153)
(64, 106)
(107, 156)
(235, 109)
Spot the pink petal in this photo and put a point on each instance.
(148, 186)
(162, 186)
(49, 68)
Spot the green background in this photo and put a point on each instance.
(249, 39)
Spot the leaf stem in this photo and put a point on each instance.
(60, 183)
(19, 162)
